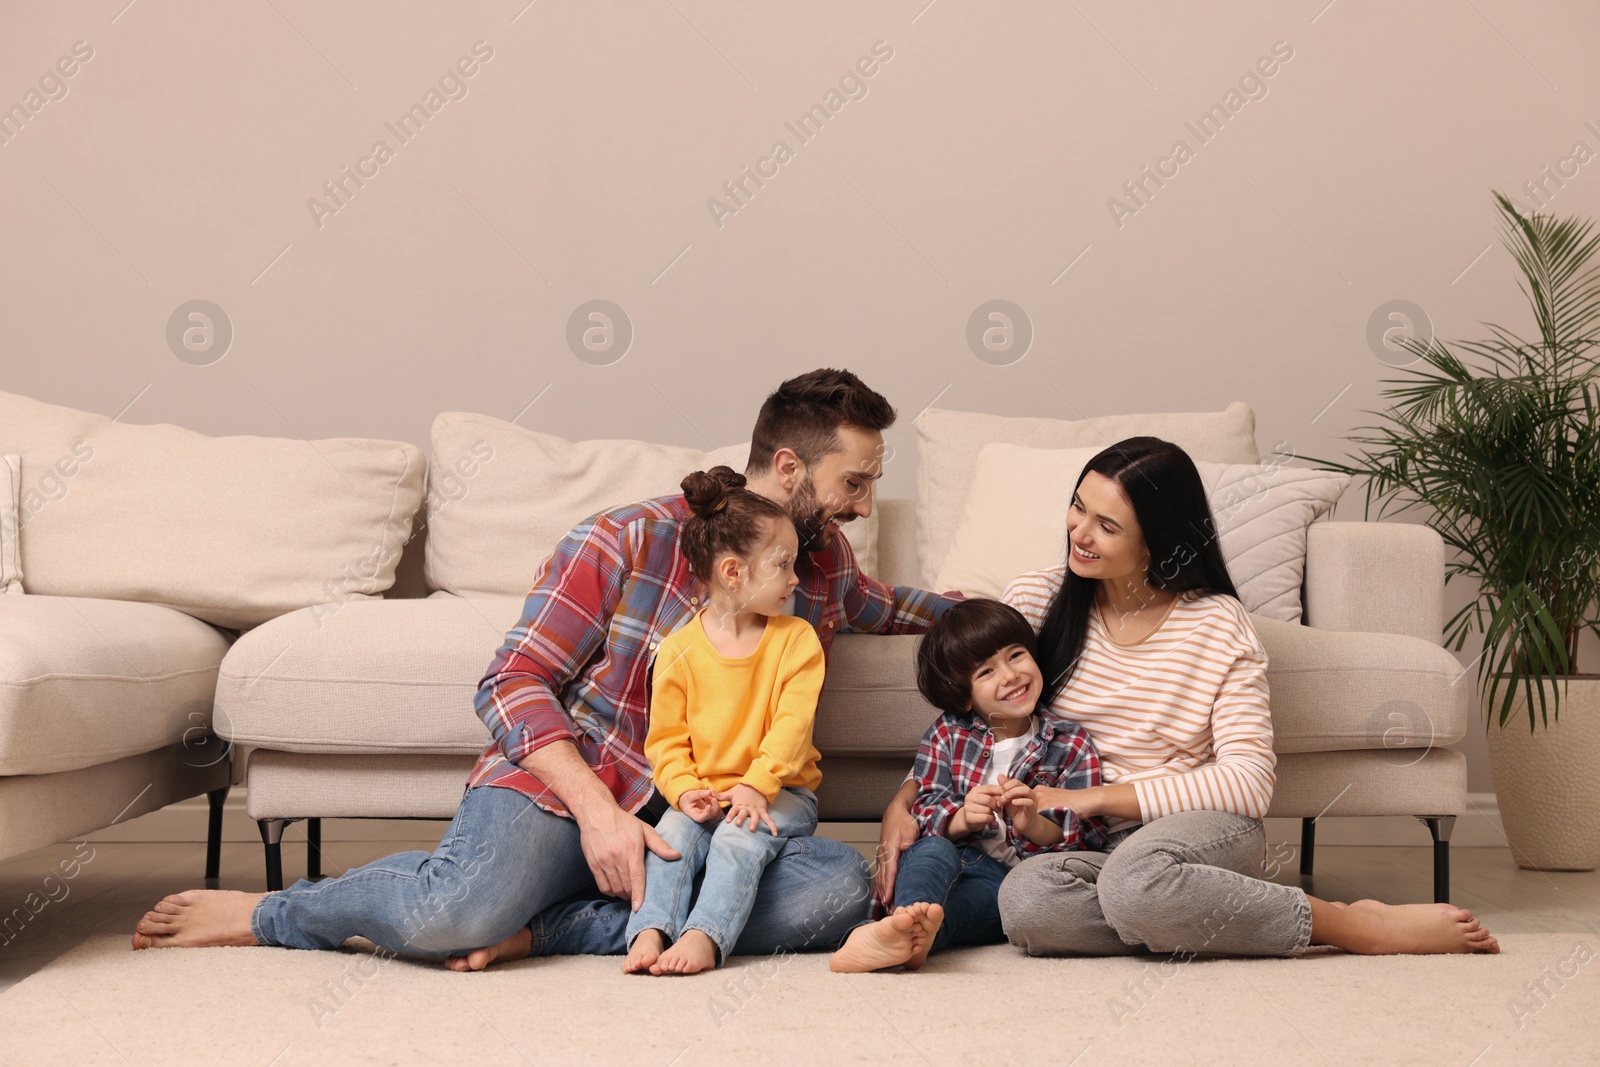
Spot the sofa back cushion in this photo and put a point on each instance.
(501, 496)
(1015, 522)
(948, 443)
(232, 530)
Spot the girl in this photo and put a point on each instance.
(733, 696)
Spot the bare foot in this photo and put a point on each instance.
(690, 954)
(198, 918)
(1377, 928)
(515, 947)
(928, 918)
(889, 942)
(644, 953)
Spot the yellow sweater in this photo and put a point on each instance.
(716, 722)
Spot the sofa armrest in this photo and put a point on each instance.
(1375, 577)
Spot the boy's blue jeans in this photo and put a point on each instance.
(964, 879)
(733, 859)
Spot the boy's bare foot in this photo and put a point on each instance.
(198, 918)
(692, 953)
(515, 947)
(928, 918)
(889, 942)
(1371, 927)
(644, 953)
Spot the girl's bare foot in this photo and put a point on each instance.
(692, 953)
(198, 918)
(889, 942)
(643, 954)
(928, 918)
(1371, 927)
(515, 947)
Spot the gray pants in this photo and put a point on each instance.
(1187, 883)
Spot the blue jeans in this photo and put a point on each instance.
(504, 858)
(963, 879)
(732, 859)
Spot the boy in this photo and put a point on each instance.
(977, 770)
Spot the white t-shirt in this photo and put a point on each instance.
(1003, 756)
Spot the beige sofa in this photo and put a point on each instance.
(179, 584)
(366, 712)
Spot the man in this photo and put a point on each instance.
(552, 812)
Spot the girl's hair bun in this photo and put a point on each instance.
(707, 491)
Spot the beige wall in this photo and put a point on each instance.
(976, 163)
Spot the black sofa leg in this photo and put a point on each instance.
(214, 836)
(1439, 826)
(272, 838)
(313, 849)
(1308, 845)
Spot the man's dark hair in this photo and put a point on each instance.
(963, 637)
(804, 414)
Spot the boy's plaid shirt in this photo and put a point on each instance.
(577, 666)
(954, 753)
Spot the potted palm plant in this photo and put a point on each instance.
(1495, 442)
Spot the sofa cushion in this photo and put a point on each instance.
(1015, 521)
(233, 530)
(948, 443)
(10, 498)
(84, 682)
(500, 497)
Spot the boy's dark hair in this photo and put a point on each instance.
(726, 517)
(963, 637)
(804, 414)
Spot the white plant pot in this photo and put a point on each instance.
(1547, 783)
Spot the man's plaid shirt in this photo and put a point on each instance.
(577, 666)
(955, 753)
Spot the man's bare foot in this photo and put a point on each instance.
(198, 918)
(692, 953)
(644, 953)
(1372, 927)
(889, 942)
(928, 918)
(515, 947)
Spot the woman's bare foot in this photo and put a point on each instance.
(1371, 927)
(928, 918)
(198, 918)
(515, 947)
(889, 942)
(692, 953)
(644, 953)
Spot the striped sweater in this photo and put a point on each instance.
(1182, 715)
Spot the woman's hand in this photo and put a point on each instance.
(748, 803)
(699, 804)
(1081, 802)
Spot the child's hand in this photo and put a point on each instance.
(747, 802)
(977, 810)
(1019, 801)
(699, 804)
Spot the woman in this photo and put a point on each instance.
(1143, 642)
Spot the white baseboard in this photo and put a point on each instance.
(186, 821)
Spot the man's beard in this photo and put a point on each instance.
(812, 525)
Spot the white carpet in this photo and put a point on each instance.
(104, 1004)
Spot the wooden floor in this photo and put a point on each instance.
(118, 881)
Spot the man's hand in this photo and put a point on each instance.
(746, 802)
(699, 804)
(898, 833)
(977, 811)
(613, 844)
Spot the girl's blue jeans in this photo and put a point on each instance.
(732, 858)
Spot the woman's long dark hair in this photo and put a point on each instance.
(1169, 500)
